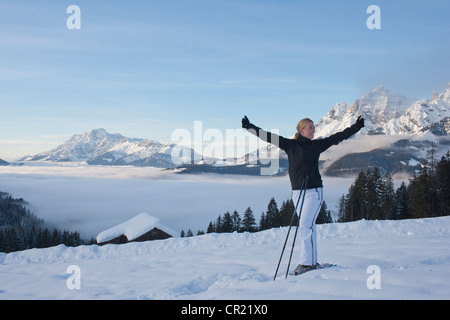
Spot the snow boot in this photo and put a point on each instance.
(302, 269)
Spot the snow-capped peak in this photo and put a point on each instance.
(382, 104)
(98, 133)
(386, 112)
(98, 146)
(445, 96)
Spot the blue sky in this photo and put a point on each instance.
(146, 68)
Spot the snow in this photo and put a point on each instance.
(134, 228)
(91, 199)
(101, 147)
(412, 256)
(388, 113)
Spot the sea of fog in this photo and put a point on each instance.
(90, 199)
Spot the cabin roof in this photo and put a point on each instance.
(134, 228)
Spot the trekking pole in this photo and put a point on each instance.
(298, 223)
(294, 214)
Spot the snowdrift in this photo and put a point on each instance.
(412, 256)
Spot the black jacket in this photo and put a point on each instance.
(303, 154)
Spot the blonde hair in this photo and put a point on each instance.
(302, 124)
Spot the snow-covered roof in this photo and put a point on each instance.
(134, 228)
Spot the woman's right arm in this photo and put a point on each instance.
(269, 137)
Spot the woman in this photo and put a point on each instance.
(303, 155)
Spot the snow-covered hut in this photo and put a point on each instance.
(142, 227)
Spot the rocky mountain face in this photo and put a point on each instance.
(386, 112)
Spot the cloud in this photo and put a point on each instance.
(91, 199)
(360, 143)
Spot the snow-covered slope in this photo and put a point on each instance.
(103, 148)
(386, 112)
(412, 256)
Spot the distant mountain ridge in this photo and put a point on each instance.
(99, 147)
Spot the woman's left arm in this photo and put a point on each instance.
(341, 136)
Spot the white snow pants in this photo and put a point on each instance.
(307, 229)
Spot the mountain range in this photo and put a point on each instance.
(99, 147)
(424, 124)
(385, 113)
(388, 113)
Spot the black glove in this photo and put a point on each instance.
(246, 123)
(360, 122)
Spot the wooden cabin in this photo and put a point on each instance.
(142, 227)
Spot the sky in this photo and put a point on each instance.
(147, 68)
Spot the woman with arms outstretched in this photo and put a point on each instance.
(303, 155)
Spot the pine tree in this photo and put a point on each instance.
(219, 224)
(429, 192)
(55, 238)
(236, 222)
(353, 205)
(46, 238)
(13, 241)
(419, 191)
(20, 229)
(227, 223)
(373, 194)
(386, 198)
(431, 153)
(286, 212)
(443, 185)
(263, 225)
(402, 210)
(324, 215)
(358, 203)
(211, 228)
(370, 197)
(248, 222)
(341, 210)
(273, 218)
